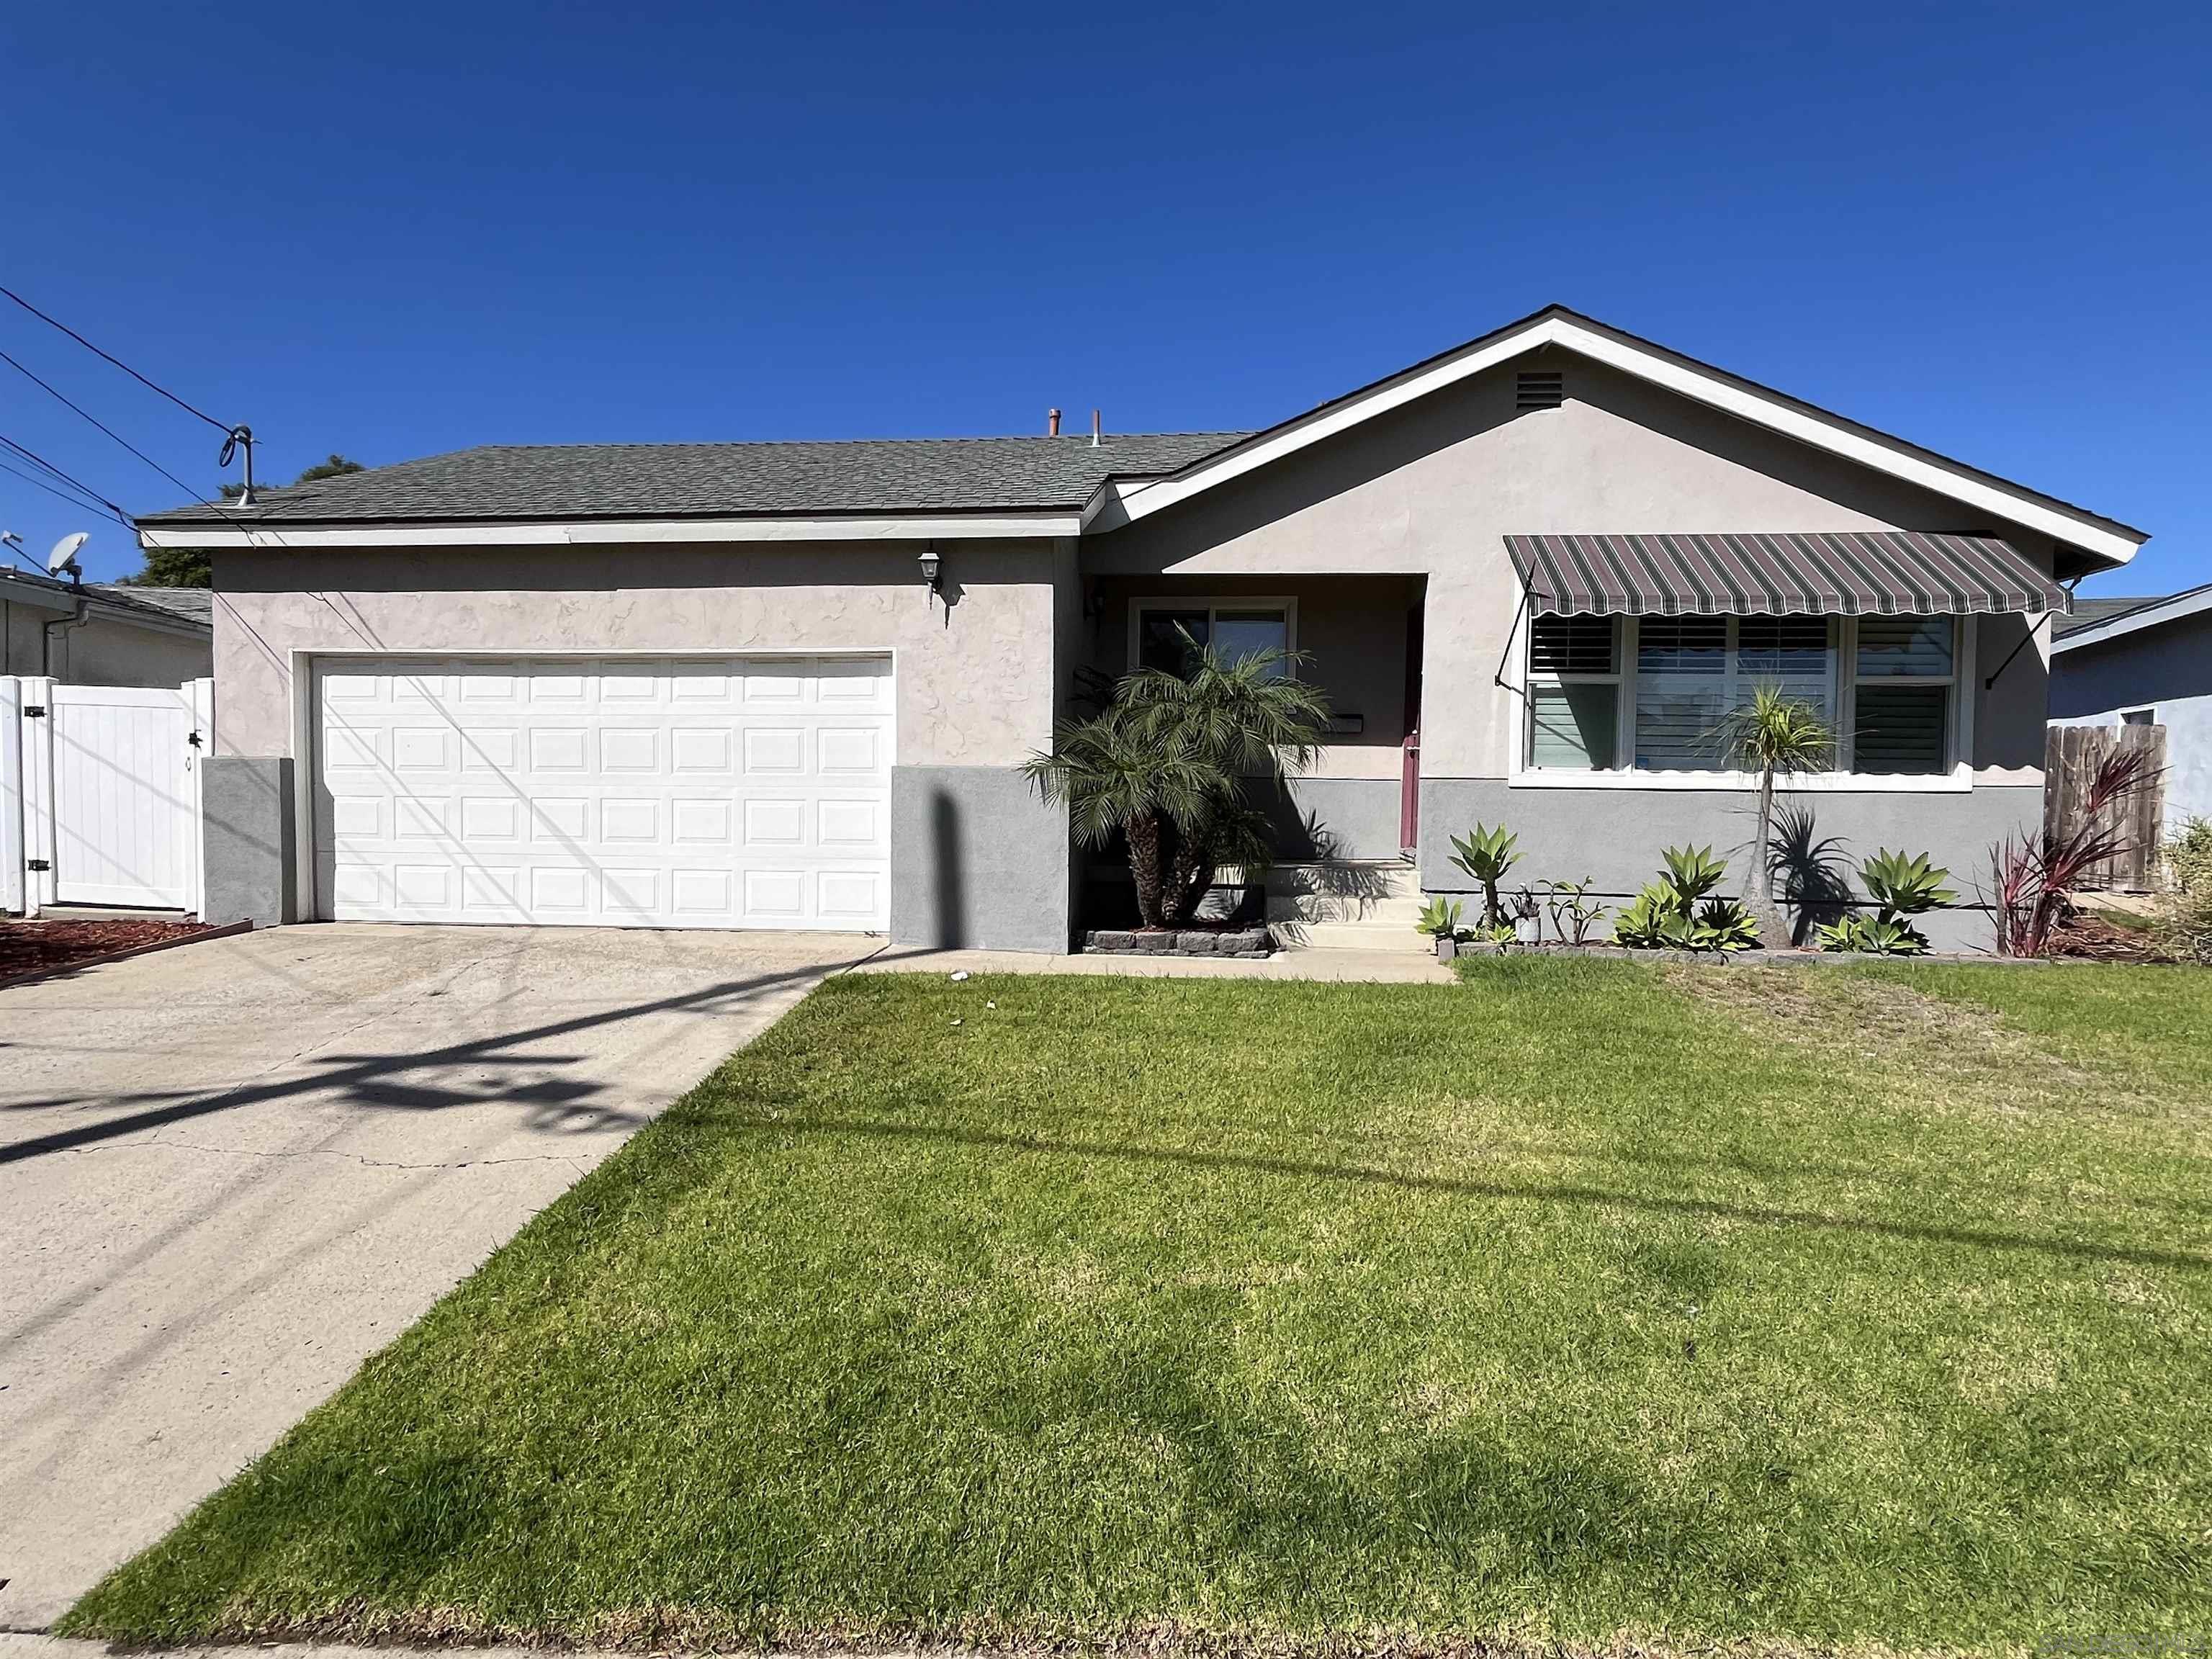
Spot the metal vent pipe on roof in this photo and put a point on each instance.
(1094, 428)
(1052, 423)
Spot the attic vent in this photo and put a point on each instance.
(1539, 389)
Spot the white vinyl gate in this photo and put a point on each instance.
(100, 798)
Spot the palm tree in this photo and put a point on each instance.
(1167, 763)
(1772, 734)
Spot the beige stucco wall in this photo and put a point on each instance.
(974, 678)
(107, 650)
(1432, 490)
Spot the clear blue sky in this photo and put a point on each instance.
(392, 230)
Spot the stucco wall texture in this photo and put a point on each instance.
(109, 650)
(1407, 510)
(1433, 489)
(975, 675)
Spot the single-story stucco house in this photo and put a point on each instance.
(104, 633)
(792, 684)
(2146, 662)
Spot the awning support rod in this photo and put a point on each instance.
(1504, 656)
(2026, 637)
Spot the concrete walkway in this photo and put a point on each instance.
(230, 1172)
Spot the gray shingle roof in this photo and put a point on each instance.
(2089, 610)
(579, 481)
(186, 604)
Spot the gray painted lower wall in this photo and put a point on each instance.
(1335, 817)
(249, 838)
(1615, 836)
(978, 862)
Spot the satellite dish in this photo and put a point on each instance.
(64, 556)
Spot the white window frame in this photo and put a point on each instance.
(2149, 713)
(1211, 603)
(1956, 778)
(1624, 713)
(1958, 745)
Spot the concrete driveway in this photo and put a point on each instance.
(230, 1172)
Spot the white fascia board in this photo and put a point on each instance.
(1869, 452)
(1139, 498)
(1120, 504)
(613, 532)
(2150, 616)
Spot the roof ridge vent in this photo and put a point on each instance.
(1539, 388)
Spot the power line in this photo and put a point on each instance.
(40, 484)
(95, 421)
(220, 426)
(45, 465)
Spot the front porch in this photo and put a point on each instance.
(1344, 831)
(1359, 639)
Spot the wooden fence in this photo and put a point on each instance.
(2071, 756)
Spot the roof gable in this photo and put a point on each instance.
(1122, 500)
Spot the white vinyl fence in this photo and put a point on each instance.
(99, 794)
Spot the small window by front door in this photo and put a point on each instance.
(1166, 634)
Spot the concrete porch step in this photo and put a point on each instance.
(1400, 939)
(1320, 909)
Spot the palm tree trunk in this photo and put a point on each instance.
(1143, 829)
(1758, 885)
(1181, 890)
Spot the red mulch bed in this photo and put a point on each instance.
(42, 946)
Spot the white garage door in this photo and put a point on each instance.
(748, 792)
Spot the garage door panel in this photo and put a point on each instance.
(670, 792)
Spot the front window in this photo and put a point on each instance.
(1652, 694)
(1901, 703)
(1234, 630)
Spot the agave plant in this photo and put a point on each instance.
(1440, 918)
(1877, 936)
(1675, 913)
(1694, 871)
(1485, 856)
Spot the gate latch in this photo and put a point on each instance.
(34, 711)
(194, 739)
(36, 864)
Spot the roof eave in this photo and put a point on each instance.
(165, 530)
(2174, 608)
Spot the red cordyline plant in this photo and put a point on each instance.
(2034, 878)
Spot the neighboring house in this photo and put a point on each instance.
(792, 685)
(2146, 662)
(104, 633)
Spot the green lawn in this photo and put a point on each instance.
(1579, 1302)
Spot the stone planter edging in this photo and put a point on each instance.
(1448, 949)
(1241, 944)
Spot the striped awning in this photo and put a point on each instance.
(1824, 573)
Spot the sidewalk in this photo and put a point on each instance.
(1380, 966)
